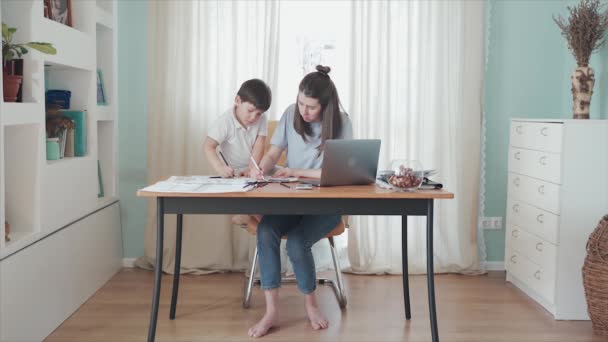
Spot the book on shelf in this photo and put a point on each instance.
(69, 143)
(80, 130)
(100, 180)
(101, 90)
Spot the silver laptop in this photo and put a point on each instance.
(348, 162)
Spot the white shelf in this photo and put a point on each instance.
(105, 113)
(40, 197)
(21, 113)
(64, 161)
(75, 49)
(19, 239)
(104, 18)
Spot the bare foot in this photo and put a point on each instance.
(240, 219)
(261, 328)
(317, 320)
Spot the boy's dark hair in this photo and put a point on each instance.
(256, 92)
(319, 85)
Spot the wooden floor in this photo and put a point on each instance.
(470, 308)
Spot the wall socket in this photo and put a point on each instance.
(490, 222)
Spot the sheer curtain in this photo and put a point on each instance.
(417, 74)
(200, 52)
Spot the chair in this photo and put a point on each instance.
(337, 284)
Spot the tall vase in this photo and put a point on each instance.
(583, 79)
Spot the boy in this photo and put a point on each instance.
(240, 133)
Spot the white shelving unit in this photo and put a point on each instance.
(54, 205)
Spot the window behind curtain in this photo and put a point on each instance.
(311, 33)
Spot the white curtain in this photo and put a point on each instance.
(199, 54)
(417, 72)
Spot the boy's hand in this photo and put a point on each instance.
(226, 172)
(284, 173)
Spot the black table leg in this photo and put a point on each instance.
(406, 279)
(430, 273)
(160, 213)
(178, 261)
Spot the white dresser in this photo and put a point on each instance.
(557, 193)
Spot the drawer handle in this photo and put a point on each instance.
(540, 217)
(517, 155)
(541, 189)
(539, 246)
(537, 274)
(516, 181)
(516, 208)
(543, 160)
(519, 129)
(544, 131)
(513, 259)
(515, 233)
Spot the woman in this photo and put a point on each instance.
(303, 130)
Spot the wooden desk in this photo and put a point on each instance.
(277, 200)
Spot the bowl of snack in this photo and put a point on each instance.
(407, 174)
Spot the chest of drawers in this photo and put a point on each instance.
(557, 191)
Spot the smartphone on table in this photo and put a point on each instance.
(303, 186)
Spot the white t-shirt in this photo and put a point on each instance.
(236, 141)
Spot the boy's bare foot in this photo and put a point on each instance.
(261, 328)
(240, 219)
(316, 317)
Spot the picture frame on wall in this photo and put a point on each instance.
(101, 89)
(61, 11)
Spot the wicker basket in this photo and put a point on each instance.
(595, 277)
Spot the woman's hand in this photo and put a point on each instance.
(285, 172)
(255, 173)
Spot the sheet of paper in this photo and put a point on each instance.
(200, 184)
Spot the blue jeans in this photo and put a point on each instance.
(302, 232)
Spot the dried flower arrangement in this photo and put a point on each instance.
(584, 31)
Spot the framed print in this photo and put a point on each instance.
(61, 11)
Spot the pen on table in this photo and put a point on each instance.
(285, 185)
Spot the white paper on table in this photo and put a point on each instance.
(200, 184)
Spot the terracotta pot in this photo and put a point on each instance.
(11, 85)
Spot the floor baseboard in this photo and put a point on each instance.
(495, 265)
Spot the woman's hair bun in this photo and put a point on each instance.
(323, 69)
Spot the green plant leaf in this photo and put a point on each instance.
(47, 48)
(4, 31)
(23, 50)
(9, 55)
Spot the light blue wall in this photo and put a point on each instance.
(527, 75)
(133, 121)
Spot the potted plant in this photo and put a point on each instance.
(11, 51)
(584, 31)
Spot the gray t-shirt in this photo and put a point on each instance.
(304, 154)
